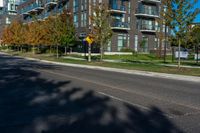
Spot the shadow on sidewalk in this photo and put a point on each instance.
(32, 104)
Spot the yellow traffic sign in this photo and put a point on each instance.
(89, 40)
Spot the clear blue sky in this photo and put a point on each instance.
(197, 6)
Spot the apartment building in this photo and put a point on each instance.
(8, 12)
(133, 21)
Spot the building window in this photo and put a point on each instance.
(129, 7)
(129, 19)
(144, 43)
(76, 20)
(8, 20)
(83, 5)
(156, 44)
(122, 41)
(136, 43)
(109, 46)
(75, 10)
(128, 41)
(75, 6)
(83, 19)
(163, 27)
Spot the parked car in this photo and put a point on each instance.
(183, 54)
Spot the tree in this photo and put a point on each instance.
(183, 16)
(67, 37)
(7, 36)
(165, 18)
(33, 35)
(142, 44)
(17, 33)
(55, 26)
(194, 36)
(101, 30)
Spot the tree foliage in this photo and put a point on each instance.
(55, 30)
(181, 15)
(67, 37)
(101, 30)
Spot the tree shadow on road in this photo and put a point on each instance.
(30, 103)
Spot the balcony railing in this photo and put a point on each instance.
(117, 8)
(148, 28)
(32, 8)
(46, 15)
(35, 7)
(51, 2)
(40, 17)
(147, 12)
(151, 1)
(120, 26)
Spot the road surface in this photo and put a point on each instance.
(39, 97)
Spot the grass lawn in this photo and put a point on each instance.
(144, 66)
(145, 58)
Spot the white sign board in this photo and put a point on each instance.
(1, 3)
(183, 54)
(195, 56)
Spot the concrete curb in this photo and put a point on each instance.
(134, 72)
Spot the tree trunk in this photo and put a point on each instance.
(160, 48)
(173, 53)
(70, 49)
(102, 51)
(38, 49)
(57, 54)
(50, 50)
(21, 49)
(65, 50)
(197, 54)
(165, 47)
(179, 53)
(33, 49)
(89, 53)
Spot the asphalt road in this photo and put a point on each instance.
(38, 97)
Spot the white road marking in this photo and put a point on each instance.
(124, 101)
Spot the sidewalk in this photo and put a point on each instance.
(120, 61)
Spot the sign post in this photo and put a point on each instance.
(90, 41)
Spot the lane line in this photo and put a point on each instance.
(116, 88)
(133, 104)
(124, 101)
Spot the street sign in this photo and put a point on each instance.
(89, 40)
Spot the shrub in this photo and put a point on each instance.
(126, 50)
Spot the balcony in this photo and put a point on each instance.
(141, 12)
(31, 9)
(35, 8)
(51, 2)
(23, 11)
(12, 10)
(151, 1)
(46, 15)
(117, 8)
(120, 26)
(40, 17)
(148, 28)
(39, 7)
